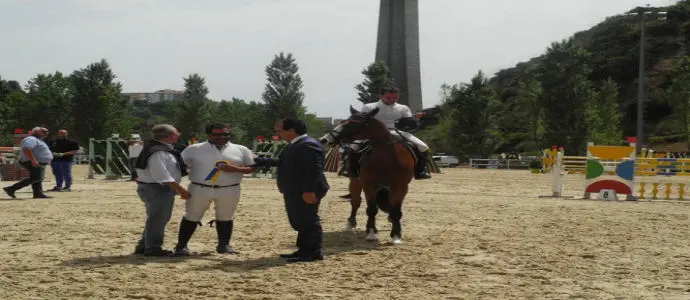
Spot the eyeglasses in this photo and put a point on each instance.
(220, 135)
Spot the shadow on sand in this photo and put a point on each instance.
(337, 242)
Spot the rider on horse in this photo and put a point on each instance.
(392, 113)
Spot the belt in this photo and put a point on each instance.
(28, 162)
(139, 182)
(214, 186)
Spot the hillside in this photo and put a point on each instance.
(614, 53)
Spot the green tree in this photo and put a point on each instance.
(50, 99)
(522, 117)
(13, 109)
(376, 76)
(18, 112)
(603, 115)
(97, 105)
(474, 118)
(283, 94)
(436, 136)
(246, 119)
(7, 86)
(192, 110)
(565, 90)
(315, 127)
(146, 114)
(679, 97)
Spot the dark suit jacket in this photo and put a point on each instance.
(300, 168)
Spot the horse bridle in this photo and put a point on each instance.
(363, 125)
(338, 139)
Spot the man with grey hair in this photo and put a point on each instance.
(159, 169)
(34, 156)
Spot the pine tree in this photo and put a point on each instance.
(376, 76)
(191, 111)
(283, 94)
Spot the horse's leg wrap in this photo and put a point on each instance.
(355, 202)
(395, 216)
(372, 210)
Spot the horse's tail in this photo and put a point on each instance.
(382, 195)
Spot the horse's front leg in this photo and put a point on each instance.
(355, 201)
(395, 214)
(372, 210)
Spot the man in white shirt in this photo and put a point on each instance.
(391, 112)
(216, 168)
(135, 146)
(160, 171)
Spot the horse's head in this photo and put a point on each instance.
(353, 128)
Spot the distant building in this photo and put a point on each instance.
(327, 120)
(157, 96)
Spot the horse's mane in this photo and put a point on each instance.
(381, 131)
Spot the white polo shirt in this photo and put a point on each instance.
(388, 114)
(161, 168)
(201, 160)
(135, 150)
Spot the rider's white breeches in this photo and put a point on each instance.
(225, 200)
(420, 145)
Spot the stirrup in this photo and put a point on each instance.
(422, 175)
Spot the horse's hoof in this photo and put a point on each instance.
(396, 240)
(371, 236)
(349, 227)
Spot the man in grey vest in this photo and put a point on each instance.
(160, 170)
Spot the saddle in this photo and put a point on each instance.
(352, 157)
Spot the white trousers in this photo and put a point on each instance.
(420, 145)
(224, 200)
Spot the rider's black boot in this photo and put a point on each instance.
(421, 167)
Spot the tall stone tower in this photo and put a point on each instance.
(398, 46)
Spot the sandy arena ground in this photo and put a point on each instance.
(469, 234)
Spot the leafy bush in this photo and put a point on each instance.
(535, 164)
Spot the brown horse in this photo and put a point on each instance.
(385, 172)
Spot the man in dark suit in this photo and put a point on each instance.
(301, 180)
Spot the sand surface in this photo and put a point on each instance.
(469, 234)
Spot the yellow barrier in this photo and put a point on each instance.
(668, 190)
(569, 164)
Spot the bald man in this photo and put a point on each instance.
(63, 150)
(34, 156)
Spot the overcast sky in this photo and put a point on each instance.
(153, 44)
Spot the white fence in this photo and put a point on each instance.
(498, 163)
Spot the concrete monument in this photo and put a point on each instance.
(398, 46)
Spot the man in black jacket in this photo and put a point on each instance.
(301, 181)
(63, 150)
